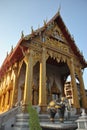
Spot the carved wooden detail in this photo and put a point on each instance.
(57, 44)
(57, 56)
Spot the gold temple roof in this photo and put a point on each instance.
(17, 53)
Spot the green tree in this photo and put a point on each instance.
(33, 119)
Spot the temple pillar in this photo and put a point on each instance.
(15, 84)
(82, 90)
(74, 86)
(2, 102)
(10, 98)
(28, 81)
(42, 82)
(7, 100)
(0, 96)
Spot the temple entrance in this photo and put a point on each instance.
(56, 76)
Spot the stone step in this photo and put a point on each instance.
(47, 117)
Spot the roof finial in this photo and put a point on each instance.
(11, 48)
(7, 53)
(59, 9)
(45, 22)
(32, 30)
(22, 34)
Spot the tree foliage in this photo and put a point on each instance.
(33, 119)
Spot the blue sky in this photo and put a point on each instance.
(18, 15)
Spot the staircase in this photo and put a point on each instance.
(15, 117)
(5, 117)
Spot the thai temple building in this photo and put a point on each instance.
(36, 70)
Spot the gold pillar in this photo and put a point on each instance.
(74, 86)
(0, 97)
(2, 102)
(42, 82)
(7, 100)
(14, 86)
(82, 90)
(10, 98)
(28, 80)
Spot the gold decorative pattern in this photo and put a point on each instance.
(57, 56)
(55, 32)
(37, 57)
(57, 44)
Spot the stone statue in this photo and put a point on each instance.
(57, 106)
(61, 108)
(52, 110)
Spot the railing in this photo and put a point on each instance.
(8, 115)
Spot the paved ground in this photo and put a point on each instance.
(59, 126)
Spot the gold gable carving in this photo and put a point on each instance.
(54, 38)
(57, 44)
(56, 33)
